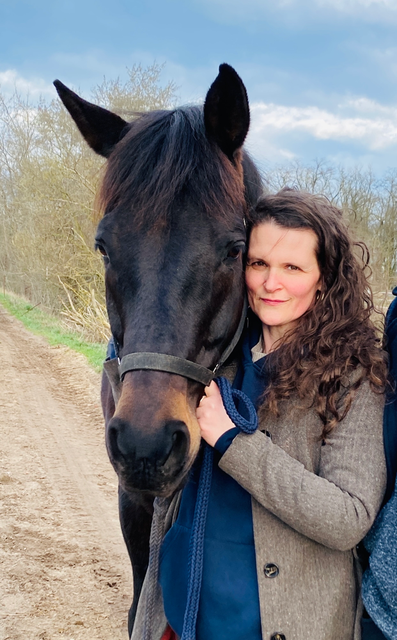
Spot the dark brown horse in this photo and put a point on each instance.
(175, 194)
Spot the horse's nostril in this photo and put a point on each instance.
(112, 438)
(180, 443)
(120, 439)
(179, 439)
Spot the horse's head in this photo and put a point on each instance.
(174, 195)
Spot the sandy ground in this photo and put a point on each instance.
(64, 571)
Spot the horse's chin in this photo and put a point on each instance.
(154, 489)
(157, 485)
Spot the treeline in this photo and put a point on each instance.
(49, 178)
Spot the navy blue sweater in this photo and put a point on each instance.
(229, 602)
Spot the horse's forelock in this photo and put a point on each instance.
(163, 156)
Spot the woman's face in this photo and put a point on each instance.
(282, 274)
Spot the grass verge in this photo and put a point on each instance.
(51, 328)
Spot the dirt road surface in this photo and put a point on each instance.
(64, 571)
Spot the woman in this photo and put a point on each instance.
(289, 503)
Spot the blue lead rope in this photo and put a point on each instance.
(196, 545)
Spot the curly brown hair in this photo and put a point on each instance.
(336, 334)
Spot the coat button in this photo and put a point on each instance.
(271, 570)
(278, 636)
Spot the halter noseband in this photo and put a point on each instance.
(163, 362)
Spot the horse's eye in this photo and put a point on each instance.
(102, 251)
(235, 251)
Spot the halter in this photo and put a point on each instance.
(116, 368)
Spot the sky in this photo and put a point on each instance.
(321, 75)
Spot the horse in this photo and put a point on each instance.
(177, 189)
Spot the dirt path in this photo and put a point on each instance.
(64, 571)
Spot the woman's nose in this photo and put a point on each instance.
(271, 281)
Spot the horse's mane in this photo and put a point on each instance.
(163, 156)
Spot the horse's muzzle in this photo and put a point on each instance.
(149, 460)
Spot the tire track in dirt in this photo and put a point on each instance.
(64, 570)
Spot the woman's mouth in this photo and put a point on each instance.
(272, 302)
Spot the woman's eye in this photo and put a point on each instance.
(257, 264)
(292, 267)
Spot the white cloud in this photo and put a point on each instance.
(11, 80)
(372, 125)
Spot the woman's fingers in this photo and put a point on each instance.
(212, 390)
(212, 416)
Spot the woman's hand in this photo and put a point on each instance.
(212, 416)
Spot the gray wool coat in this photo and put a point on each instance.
(311, 506)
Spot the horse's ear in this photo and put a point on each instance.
(226, 111)
(99, 127)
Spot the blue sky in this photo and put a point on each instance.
(321, 75)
